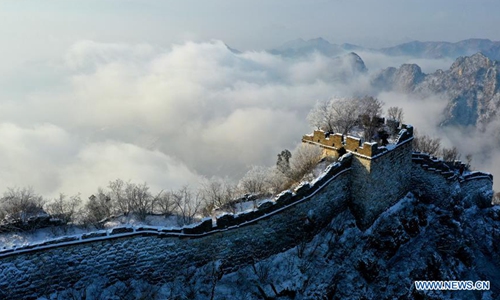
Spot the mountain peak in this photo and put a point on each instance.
(319, 41)
(471, 64)
(357, 63)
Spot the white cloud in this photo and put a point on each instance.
(32, 156)
(51, 160)
(424, 113)
(98, 163)
(376, 61)
(143, 113)
(167, 116)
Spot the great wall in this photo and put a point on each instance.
(366, 180)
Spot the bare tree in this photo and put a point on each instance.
(426, 144)
(278, 181)
(370, 109)
(21, 204)
(98, 207)
(346, 113)
(395, 118)
(450, 154)
(188, 205)
(139, 199)
(64, 208)
(342, 115)
(395, 113)
(335, 115)
(217, 193)
(322, 116)
(117, 195)
(164, 203)
(263, 271)
(304, 158)
(212, 273)
(255, 181)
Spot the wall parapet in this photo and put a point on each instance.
(206, 227)
(160, 255)
(336, 141)
(370, 150)
(449, 170)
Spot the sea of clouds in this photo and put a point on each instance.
(169, 116)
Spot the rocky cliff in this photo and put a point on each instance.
(471, 86)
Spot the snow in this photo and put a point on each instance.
(329, 261)
(403, 202)
(19, 239)
(134, 223)
(152, 220)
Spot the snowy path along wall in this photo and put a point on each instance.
(159, 255)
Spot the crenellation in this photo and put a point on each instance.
(337, 140)
(368, 149)
(352, 143)
(367, 181)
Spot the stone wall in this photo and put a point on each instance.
(379, 181)
(157, 255)
(431, 178)
(330, 143)
(380, 173)
(365, 184)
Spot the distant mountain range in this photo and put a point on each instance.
(471, 85)
(300, 47)
(445, 49)
(416, 49)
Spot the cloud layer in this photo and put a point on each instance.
(165, 116)
(169, 116)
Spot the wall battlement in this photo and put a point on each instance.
(265, 210)
(159, 255)
(378, 177)
(363, 184)
(332, 143)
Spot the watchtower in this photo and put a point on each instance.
(380, 174)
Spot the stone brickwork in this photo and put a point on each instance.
(433, 179)
(367, 180)
(331, 143)
(380, 173)
(379, 182)
(159, 255)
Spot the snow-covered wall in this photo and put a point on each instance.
(157, 255)
(379, 181)
(433, 179)
(381, 174)
(366, 186)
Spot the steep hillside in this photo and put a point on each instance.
(444, 239)
(419, 238)
(306, 245)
